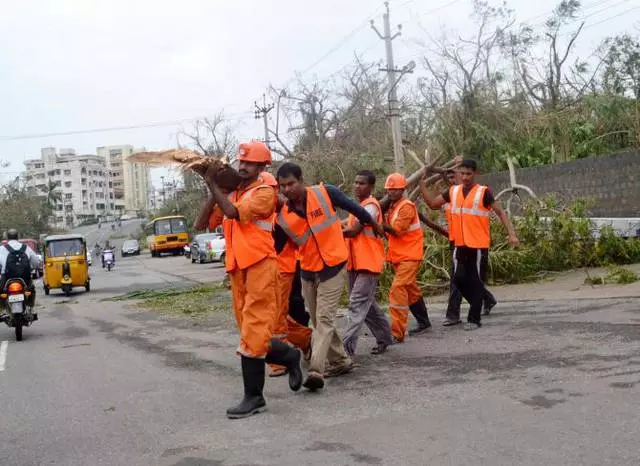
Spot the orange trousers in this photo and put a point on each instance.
(404, 292)
(285, 328)
(254, 292)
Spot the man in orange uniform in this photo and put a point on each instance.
(285, 328)
(247, 216)
(309, 219)
(404, 252)
(366, 261)
(469, 228)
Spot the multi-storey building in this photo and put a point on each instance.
(76, 185)
(130, 181)
(84, 187)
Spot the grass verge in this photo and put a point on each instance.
(196, 302)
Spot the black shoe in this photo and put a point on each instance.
(253, 401)
(380, 348)
(419, 329)
(289, 357)
(488, 307)
(314, 382)
(450, 322)
(419, 311)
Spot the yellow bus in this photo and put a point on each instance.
(167, 234)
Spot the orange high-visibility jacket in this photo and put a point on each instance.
(318, 236)
(287, 258)
(247, 243)
(447, 214)
(410, 245)
(469, 218)
(366, 251)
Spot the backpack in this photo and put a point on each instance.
(18, 265)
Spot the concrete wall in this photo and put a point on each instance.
(612, 181)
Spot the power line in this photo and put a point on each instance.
(116, 128)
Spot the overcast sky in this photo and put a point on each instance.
(68, 65)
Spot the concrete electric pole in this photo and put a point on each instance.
(262, 112)
(391, 70)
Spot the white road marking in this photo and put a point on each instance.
(3, 354)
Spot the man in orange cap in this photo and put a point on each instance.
(404, 252)
(309, 219)
(366, 261)
(247, 216)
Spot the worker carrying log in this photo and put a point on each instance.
(309, 219)
(404, 252)
(247, 215)
(469, 229)
(286, 328)
(366, 261)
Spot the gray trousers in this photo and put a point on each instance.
(363, 309)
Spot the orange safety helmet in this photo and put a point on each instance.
(395, 181)
(269, 179)
(254, 151)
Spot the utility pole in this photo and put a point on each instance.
(391, 70)
(262, 112)
(164, 197)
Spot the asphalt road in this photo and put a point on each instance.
(100, 383)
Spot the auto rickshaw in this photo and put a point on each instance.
(65, 263)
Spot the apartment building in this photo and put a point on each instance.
(130, 181)
(78, 184)
(89, 186)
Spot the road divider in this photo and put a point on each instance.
(3, 354)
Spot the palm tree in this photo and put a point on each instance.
(52, 196)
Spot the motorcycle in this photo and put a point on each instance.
(107, 260)
(19, 314)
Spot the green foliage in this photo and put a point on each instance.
(553, 238)
(615, 275)
(24, 210)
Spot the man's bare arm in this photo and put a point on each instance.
(434, 202)
(504, 218)
(204, 214)
(352, 231)
(228, 209)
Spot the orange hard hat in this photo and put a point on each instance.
(254, 151)
(269, 179)
(395, 181)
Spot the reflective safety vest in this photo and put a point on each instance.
(287, 258)
(469, 218)
(318, 236)
(247, 243)
(447, 214)
(366, 251)
(410, 245)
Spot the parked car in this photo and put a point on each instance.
(208, 247)
(130, 247)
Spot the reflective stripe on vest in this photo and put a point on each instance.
(475, 208)
(302, 239)
(331, 218)
(298, 240)
(262, 224)
(396, 212)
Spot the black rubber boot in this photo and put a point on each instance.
(289, 357)
(253, 401)
(419, 311)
